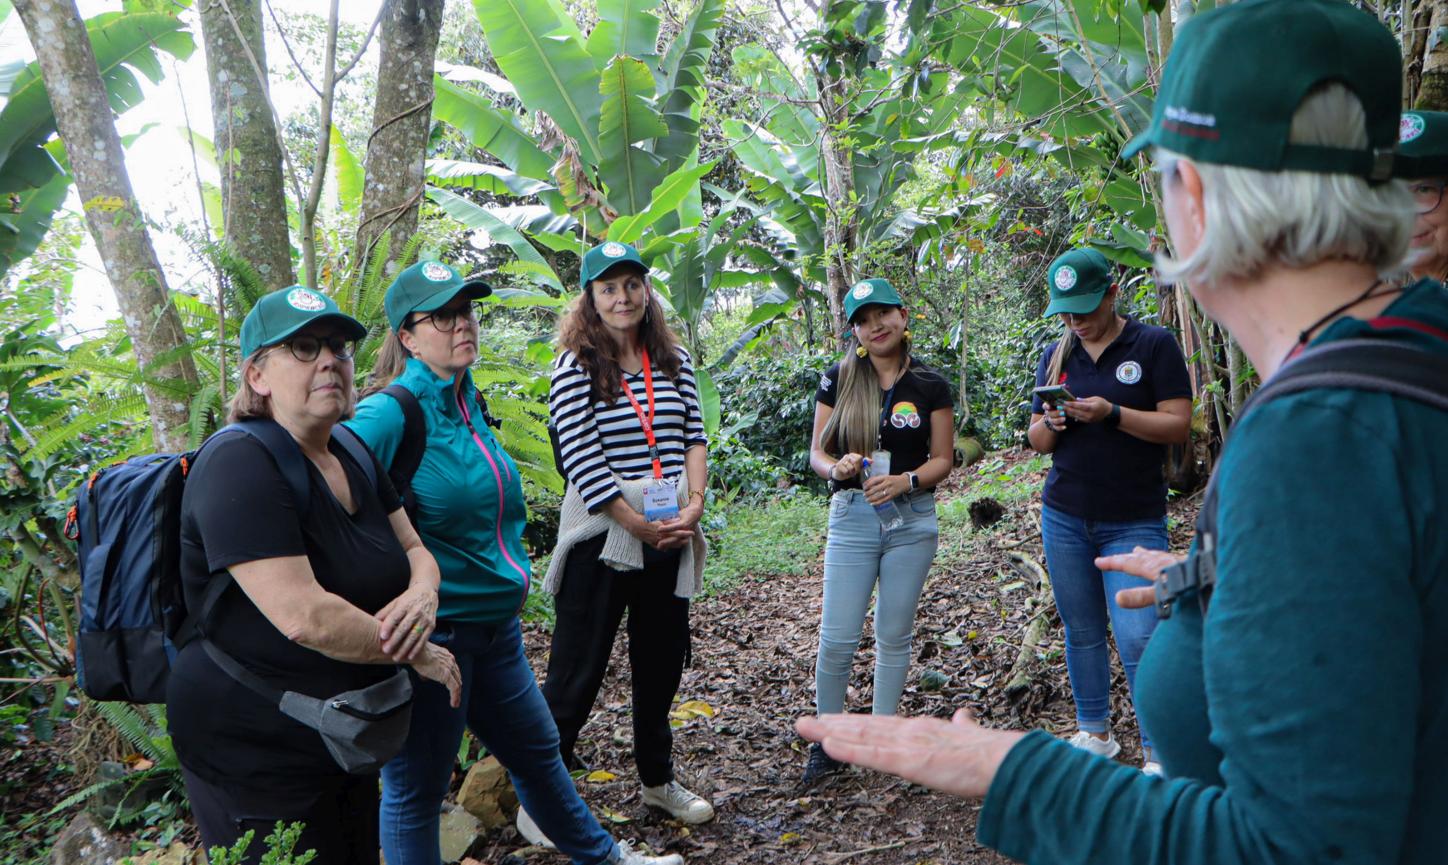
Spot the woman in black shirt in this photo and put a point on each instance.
(883, 529)
(329, 593)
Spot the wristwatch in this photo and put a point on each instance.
(914, 481)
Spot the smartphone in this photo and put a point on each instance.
(1053, 394)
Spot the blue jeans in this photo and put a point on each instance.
(1086, 595)
(503, 707)
(858, 555)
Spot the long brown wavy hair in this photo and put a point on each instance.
(582, 332)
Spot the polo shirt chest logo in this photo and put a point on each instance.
(905, 415)
(1129, 372)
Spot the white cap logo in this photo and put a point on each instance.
(1410, 127)
(305, 300)
(1066, 277)
(437, 272)
(615, 250)
(863, 290)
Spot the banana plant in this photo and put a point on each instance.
(31, 177)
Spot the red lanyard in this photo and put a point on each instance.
(646, 421)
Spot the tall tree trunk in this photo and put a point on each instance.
(397, 148)
(253, 197)
(840, 229)
(1433, 86)
(83, 118)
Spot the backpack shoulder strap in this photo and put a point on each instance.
(284, 449)
(357, 450)
(414, 436)
(488, 418)
(1358, 364)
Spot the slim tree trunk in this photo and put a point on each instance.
(1433, 86)
(840, 233)
(83, 118)
(253, 196)
(397, 147)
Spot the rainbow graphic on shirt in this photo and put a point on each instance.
(904, 414)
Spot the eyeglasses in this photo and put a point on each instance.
(1427, 195)
(305, 348)
(449, 320)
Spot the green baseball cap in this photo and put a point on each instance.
(598, 260)
(425, 286)
(285, 311)
(1237, 74)
(868, 291)
(1423, 137)
(1078, 279)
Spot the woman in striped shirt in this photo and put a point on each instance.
(631, 438)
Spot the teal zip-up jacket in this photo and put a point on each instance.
(470, 508)
(1304, 719)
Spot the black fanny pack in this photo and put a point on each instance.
(362, 729)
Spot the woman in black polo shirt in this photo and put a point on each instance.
(877, 398)
(1105, 493)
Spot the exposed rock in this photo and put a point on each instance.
(458, 831)
(488, 795)
(176, 854)
(84, 842)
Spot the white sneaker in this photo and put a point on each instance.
(679, 802)
(530, 831)
(1107, 747)
(627, 855)
(1151, 767)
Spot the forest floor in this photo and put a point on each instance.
(753, 665)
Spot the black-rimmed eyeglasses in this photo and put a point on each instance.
(1427, 195)
(305, 348)
(449, 320)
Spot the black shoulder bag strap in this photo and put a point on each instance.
(1358, 364)
(409, 452)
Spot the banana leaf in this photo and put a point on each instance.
(629, 173)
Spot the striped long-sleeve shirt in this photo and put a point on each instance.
(600, 440)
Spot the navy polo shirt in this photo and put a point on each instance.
(1099, 472)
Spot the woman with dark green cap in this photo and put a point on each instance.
(427, 422)
(1423, 135)
(1122, 394)
(1297, 688)
(308, 579)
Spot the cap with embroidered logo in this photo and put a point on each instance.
(1237, 74)
(600, 259)
(426, 286)
(285, 311)
(1078, 280)
(1423, 136)
(868, 291)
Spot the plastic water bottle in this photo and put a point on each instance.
(890, 517)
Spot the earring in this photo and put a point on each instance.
(861, 352)
(907, 333)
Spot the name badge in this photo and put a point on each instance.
(661, 501)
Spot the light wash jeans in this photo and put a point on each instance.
(1086, 595)
(858, 555)
(503, 707)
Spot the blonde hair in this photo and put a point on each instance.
(854, 425)
(1296, 218)
(390, 363)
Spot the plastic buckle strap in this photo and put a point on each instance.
(1382, 167)
(1197, 571)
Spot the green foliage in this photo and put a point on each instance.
(769, 403)
(280, 848)
(755, 539)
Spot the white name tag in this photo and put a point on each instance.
(661, 501)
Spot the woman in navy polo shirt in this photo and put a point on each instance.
(1105, 493)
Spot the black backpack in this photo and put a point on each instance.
(127, 523)
(1358, 364)
(414, 443)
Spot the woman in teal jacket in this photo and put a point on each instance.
(466, 501)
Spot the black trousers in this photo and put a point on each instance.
(341, 822)
(591, 601)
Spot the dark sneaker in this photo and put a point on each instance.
(819, 767)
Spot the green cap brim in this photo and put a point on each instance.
(1077, 305)
(472, 290)
(1137, 144)
(353, 327)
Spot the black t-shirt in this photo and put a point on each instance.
(1099, 472)
(905, 415)
(238, 508)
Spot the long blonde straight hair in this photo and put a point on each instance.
(1064, 346)
(854, 425)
